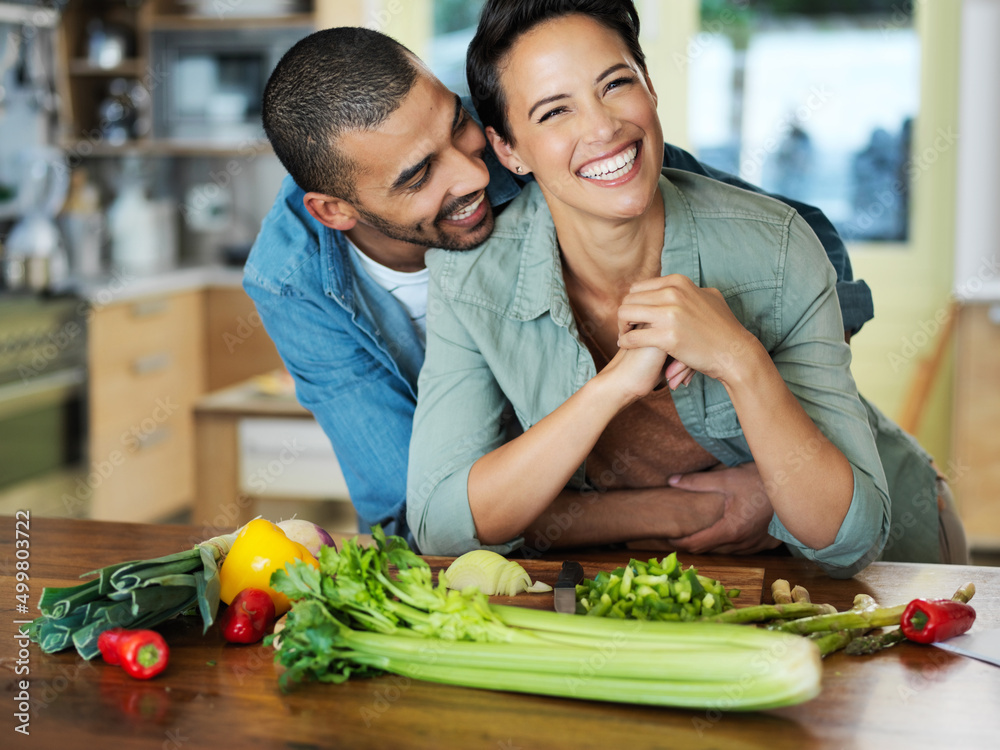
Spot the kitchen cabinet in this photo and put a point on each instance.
(150, 359)
(236, 345)
(975, 466)
(146, 369)
(110, 44)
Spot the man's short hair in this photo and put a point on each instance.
(333, 81)
(503, 22)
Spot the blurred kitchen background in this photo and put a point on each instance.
(137, 383)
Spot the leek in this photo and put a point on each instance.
(352, 618)
(136, 594)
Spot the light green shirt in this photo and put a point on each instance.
(502, 342)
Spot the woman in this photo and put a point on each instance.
(640, 325)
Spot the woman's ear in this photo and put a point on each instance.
(505, 152)
(335, 213)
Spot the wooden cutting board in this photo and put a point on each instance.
(750, 581)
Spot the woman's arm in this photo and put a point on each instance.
(511, 486)
(788, 401)
(471, 483)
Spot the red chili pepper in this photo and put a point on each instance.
(143, 653)
(249, 617)
(107, 642)
(935, 620)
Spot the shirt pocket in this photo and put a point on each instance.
(721, 421)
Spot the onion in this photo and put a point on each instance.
(309, 535)
(491, 574)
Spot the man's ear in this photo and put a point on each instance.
(335, 213)
(505, 152)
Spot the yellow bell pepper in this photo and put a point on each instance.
(260, 548)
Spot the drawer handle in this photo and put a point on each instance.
(151, 363)
(150, 439)
(149, 307)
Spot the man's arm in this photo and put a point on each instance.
(579, 519)
(365, 410)
(854, 295)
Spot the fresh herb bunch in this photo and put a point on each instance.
(353, 618)
(653, 590)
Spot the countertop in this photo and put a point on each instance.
(218, 695)
(120, 287)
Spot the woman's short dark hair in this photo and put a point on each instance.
(332, 81)
(503, 22)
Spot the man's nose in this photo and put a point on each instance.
(468, 171)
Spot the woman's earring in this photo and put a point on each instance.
(520, 169)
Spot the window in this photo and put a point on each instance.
(814, 100)
(454, 26)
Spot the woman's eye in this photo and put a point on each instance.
(618, 82)
(551, 112)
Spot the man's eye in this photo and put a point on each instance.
(551, 113)
(422, 181)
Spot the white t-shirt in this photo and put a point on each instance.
(410, 289)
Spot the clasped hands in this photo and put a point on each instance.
(672, 316)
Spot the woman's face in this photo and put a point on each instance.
(583, 116)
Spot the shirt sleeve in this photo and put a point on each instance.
(462, 414)
(854, 296)
(815, 364)
(365, 411)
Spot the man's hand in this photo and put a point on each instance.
(747, 512)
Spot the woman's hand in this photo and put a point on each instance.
(635, 372)
(693, 325)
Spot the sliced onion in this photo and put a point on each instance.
(491, 574)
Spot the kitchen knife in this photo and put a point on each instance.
(565, 589)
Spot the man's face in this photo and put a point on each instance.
(421, 177)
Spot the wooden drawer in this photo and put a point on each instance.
(146, 371)
(147, 477)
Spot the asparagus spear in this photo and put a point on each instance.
(780, 592)
(849, 620)
(871, 644)
(799, 594)
(828, 643)
(764, 612)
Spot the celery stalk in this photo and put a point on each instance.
(351, 618)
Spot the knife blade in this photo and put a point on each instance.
(565, 588)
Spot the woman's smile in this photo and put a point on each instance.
(614, 170)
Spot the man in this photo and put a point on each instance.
(384, 162)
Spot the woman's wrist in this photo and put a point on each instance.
(747, 365)
(606, 393)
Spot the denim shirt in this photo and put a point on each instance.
(502, 337)
(353, 353)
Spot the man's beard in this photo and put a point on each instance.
(436, 236)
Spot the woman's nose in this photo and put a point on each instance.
(602, 123)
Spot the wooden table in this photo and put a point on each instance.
(222, 696)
